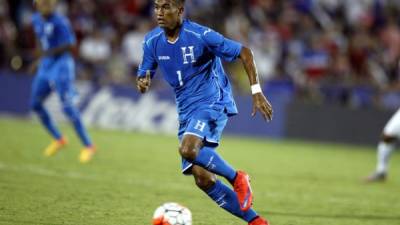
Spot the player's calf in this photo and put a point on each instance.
(203, 179)
(74, 116)
(46, 120)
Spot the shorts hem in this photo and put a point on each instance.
(194, 134)
(185, 170)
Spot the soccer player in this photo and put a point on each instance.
(189, 56)
(55, 72)
(389, 139)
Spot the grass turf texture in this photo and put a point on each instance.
(295, 183)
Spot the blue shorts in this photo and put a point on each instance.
(59, 76)
(208, 125)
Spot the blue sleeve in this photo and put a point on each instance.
(65, 33)
(222, 47)
(35, 24)
(148, 61)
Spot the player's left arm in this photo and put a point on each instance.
(260, 102)
(230, 50)
(58, 50)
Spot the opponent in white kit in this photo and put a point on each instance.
(389, 139)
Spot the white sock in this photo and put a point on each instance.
(384, 152)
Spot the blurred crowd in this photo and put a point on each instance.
(340, 51)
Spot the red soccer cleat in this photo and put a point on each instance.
(243, 191)
(259, 221)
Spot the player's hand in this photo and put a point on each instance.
(143, 83)
(260, 103)
(38, 53)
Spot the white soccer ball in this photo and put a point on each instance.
(172, 214)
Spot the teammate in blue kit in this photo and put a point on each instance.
(55, 72)
(189, 56)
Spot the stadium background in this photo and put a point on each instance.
(309, 53)
(330, 67)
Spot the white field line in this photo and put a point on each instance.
(75, 175)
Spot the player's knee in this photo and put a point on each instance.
(36, 106)
(388, 138)
(190, 147)
(188, 152)
(71, 112)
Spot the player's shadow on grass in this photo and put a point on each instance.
(337, 216)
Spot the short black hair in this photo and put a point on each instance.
(180, 2)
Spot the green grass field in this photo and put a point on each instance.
(295, 183)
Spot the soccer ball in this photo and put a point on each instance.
(172, 214)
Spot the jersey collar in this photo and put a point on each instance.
(179, 34)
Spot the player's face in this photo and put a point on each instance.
(45, 7)
(168, 13)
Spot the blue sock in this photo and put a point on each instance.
(46, 120)
(209, 159)
(227, 199)
(75, 119)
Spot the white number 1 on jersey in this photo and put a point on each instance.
(180, 77)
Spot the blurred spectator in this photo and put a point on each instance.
(390, 38)
(359, 50)
(95, 50)
(132, 44)
(315, 60)
(8, 34)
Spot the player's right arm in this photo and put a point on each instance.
(146, 69)
(143, 83)
(37, 52)
(35, 63)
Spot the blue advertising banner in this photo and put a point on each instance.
(14, 93)
(123, 108)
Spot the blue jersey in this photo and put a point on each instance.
(53, 32)
(192, 66)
